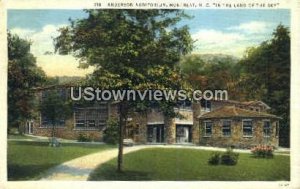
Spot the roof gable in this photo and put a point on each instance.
(233, 111)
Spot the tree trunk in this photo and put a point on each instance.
(120, 154)
(52, 135)
(122, 125)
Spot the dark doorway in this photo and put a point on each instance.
(183, 133)
(156, 133)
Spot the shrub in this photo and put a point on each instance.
(111, 133)
(229, 157)
(226, 158)
(14, 131)
(83, 138)
(262, 151)
(214, 158)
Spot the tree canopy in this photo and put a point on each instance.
(267, 76)
(23, 76)
(130, 49)
(262, 74)
(212, 72)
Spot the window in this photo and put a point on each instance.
(80, 123)
(267, 129)
(208, 128)
(91, 123)
(205, 105)
(79, 118)
(226, 128)
(136, 129)
(180, 131)
(247, 128)
(90, 118)
(186, 104)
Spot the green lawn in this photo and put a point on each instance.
(27, 160)
(188, 164)
(17, 136)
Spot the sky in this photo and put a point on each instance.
(222, 31)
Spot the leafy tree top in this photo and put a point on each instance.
(23, 75)
(128, 48)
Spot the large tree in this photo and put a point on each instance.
(130, 49)
(262, 74)
(23, 75)
(212, 72)
(266, 76)
(55, 107)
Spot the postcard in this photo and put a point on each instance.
(164, 94)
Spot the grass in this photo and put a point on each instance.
(190, 164)
(18, 136)
(28, 160)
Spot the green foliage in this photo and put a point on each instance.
(226, 158)
(130, 49)
(146, 42)
(212, 72)
(29, 160)
(83, 138)
(179, 164)
(23, 76)
(143, 57)
(55, 106)
(267, 77)
(214, 158)
(262, 74)
(14, 131)
(229, 157)
(111, 135)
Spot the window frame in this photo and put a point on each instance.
(88, 122)
(79, 122)
(205, 128)
(205, 105)
(268, 134)
(223, 125)
(252, 128)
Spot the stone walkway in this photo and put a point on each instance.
(80, 168)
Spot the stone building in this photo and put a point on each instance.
(234, 126)
(208, 123)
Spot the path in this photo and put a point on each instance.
(80, 168)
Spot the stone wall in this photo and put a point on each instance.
(67, 131)
(139, 121)
(170, 125)
(170, 135)
(237, 139)
(155, 116)
(196, 126)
